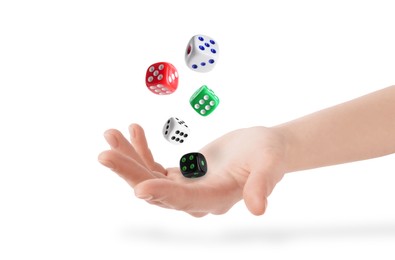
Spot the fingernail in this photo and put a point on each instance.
(112, 141)
(145, 196)
(107, 163)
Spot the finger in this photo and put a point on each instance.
(119, 143)
(140, 144)
(258, 187)
(193, 198)
(160, 204)
(197, 214)
(129, 169)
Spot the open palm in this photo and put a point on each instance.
(242, 164)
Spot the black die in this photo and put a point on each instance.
(193, 165)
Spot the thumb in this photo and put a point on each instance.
(254, 193)
(258, 187)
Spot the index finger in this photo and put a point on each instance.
(140, 144)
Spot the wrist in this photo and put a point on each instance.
(289, 144)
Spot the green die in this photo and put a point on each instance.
(193, 165)
(204, 101)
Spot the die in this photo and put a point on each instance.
(201, 53)
(193, 165)
(175, 130)
(162, 78)
(204, 101)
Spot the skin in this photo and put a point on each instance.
(360, 129)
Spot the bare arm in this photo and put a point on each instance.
(359, 129)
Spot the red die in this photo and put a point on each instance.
(162, 78)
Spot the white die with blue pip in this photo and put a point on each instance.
(202, 53)
(175, 130)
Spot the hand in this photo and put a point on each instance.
(242, 164)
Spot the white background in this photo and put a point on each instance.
(69, 70)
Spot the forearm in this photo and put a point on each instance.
(359, 129)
